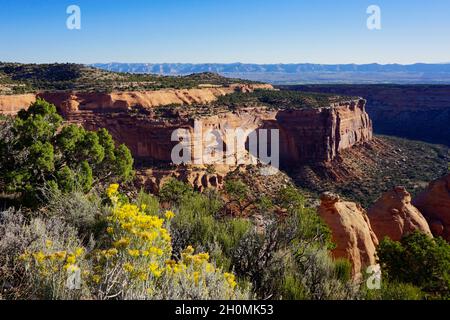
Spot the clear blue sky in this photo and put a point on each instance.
(197, 31)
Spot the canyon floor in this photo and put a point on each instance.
(364, 172)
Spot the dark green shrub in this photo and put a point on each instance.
(173, 191)
(36, 152)
(395, 291)
(419, 260)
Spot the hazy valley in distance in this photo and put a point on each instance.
(303, 73)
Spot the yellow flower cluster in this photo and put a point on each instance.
(169, 215)
(112, 190)
(137, 253)
(140, 241)
(52, 261)
(144, 245)
(230, 278)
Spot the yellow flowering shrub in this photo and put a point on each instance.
(56, 273)
(132, 259)
(138, 262)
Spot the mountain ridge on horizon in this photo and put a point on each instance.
(295, 73)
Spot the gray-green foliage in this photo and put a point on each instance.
(19, 235)
(285, 256)
(394, 291)
(198, 223)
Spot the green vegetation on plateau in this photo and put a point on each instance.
(275, 99)
(28, 78)
(270, 99)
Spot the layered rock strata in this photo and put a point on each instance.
(69, 102)
(305, 136)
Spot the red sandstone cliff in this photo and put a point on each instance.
(69, 102)
(434, 203)
(306, 135)
(394, 216)
(351, 231)
(11, 104)
(319, 135)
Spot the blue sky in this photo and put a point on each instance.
(250, 31)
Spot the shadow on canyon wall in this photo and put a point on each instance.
(416, 112)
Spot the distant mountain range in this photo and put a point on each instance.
(299, 73)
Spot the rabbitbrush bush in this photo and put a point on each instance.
(133, 261)
(36, 256)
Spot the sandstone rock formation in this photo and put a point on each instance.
(319, 135)
(394, 216)
(306, 135)
(11, 104)
(71, 102)
(434, 203)
(352, 232)
(151, 139)
(153, 179)
(123, 101)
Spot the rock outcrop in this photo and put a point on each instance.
(307, 135)
(319, 135)
(68, 102)
(394, 216)
(11, 104)
(153, 139)
(123, 101)
(351, 230)
(434, 203)
(153, 179)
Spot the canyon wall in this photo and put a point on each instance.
(11, 104)
(121, 101)
(417, 112)
(153, 139)
(319, 135)
(308, 135)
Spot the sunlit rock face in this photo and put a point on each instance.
(307, 135)
(11, 104)
(394, 216)
(351, 231)
(318, 135)
(434, 203)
